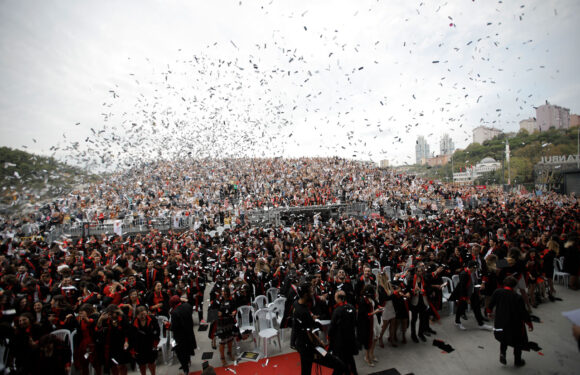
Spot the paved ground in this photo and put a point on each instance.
(476, 351)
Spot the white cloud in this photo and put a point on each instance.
(62, 58)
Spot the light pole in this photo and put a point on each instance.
(507, 156)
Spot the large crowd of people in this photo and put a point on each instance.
(111, 288)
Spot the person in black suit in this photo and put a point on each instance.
(182, 329)
(510, 316)
(341, 332)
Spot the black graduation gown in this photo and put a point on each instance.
(510, 317)
(302, 321)
(365, 322)
(182, 328)
(111, 339)
(144, 340)
(342, 331)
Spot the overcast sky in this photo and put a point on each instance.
(359, 79)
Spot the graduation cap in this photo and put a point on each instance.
(443, 346)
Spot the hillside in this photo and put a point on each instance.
(28, 178)
(525, 149)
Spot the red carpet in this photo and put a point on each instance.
(286, 364)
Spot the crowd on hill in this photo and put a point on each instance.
(110, 289)
(221, 191)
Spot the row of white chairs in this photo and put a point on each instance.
(263, 320)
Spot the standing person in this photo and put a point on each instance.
(182, 329)
(197, 287)
(419, 304)
(510, 316)
(304, 329)
(548, 255)
(85, 354)
(401, 296)
(144, 340)
(385, 294)
(226, 324)
(24, 343)
(466, 291)
(112, 337)
(341, 332)
(158, 300)
(367, 323)
(53, 356)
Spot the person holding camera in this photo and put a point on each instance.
(308, 345)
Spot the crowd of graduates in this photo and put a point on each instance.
(111, 289)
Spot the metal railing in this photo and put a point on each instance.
(271, 216)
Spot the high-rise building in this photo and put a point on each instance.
(530, 125)
(446, 145)
(574, 121)
(552, 116)
(384, 163)
(484, 133)
(421, 149)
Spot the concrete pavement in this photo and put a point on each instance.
(476, 351)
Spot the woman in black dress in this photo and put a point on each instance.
(368, 324)
(226, 324)
(144, 340)
(400, 297)
(490, 280)
(549, 254)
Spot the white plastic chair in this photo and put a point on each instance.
(66, 335)
(245, 321)
(558, 273)
(447, 290)
(387, 269)
(272, 294)
(455, 279)
(266, 330)
(260, 302)
(277, 309)
(277, 313)
(164, 338)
